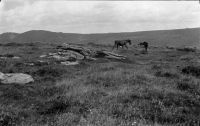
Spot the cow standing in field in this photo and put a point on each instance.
(144, 44)
(121, 43)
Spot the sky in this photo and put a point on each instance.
(97, 16)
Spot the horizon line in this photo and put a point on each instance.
(102, 32)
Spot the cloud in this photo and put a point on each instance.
(97, 16)
(12, 4)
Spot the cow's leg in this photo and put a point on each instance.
(126, 46)
(114, 46)
(146, 48)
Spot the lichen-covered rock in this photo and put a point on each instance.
(17, 78)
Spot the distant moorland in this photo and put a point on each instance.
(176, 37)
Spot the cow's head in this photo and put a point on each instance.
(129, 41)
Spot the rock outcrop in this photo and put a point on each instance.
(68, 54)
(86, 53)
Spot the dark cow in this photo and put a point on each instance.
(144, 44)
(122, 43)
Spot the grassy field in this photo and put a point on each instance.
(161, 88)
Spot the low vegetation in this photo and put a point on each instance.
(147, 90)
(186, 49)
(192, 70)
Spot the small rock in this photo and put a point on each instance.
(51, 54)
(69, 63)
(149, 76)
(16, 57)
(29, 64)
(1, 76)
(40, 63)
(42, 56)
(3, 57)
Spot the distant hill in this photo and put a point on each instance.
(177, 37)
(8, 37)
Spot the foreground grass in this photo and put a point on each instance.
(149, 90)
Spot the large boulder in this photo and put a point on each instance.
(17, 78)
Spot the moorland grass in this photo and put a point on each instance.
(109, 93)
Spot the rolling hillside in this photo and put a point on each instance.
(7, 37)
(177, 37)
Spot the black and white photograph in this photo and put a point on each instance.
(99, 63)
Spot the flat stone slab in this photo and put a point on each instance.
(17, 78)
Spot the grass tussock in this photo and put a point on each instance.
(192, 70)
(190, 85)
(166, 73)
(186, 49)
